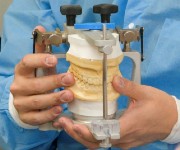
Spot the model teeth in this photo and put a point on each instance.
(88, 85)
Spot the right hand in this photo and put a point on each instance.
(30, 93)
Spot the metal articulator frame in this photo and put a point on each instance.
(104, 129)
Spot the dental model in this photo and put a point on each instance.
(86, 65)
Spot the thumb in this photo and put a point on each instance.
(40, 47)
(129, 88)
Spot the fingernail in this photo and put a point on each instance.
(62, 123)
(57, 110)
(65, 97)
(120, 81)
(56, 124)
(50, 60)
(66, 80)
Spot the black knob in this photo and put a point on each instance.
(105, 10)
(71, 11)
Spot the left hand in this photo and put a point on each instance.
(149, 117)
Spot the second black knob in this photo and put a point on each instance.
(105, 10)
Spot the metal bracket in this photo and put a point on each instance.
(105, 130)
(136, 59)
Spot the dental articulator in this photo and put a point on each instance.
(94, 55)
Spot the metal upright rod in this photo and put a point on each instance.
(105, 101)
(106, 142)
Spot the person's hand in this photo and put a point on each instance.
(30, 93)
(150, 116)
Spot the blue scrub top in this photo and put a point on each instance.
(160, 68)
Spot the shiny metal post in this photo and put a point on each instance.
(106, 142)
(105, 101)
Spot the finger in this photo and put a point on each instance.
(44, 101)
(40, 117)
(43, 84)
(68, 126)
(84, 132)
(30, 62)
(40, 47)
(130, 89)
